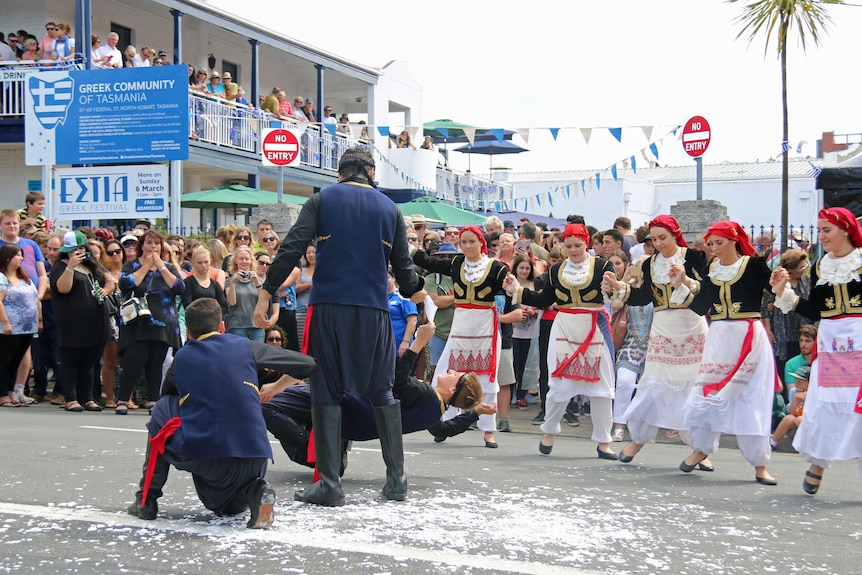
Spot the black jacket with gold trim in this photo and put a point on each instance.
(740, 297)
(830, 301)
(659, 294)
(556, 290)
(481, 292)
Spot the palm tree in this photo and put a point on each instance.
(778, 17)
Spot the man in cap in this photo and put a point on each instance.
(349, 332)
(308, 110)
(161, 58)
(509, 227)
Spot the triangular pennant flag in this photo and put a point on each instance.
(539, 201)
(569, 192)
(647, 132)
(644, 156)
(586, 133)
(654, 149)
(497, 206)
(330, 128)
(525, 134)
(583, 188)
(412, 130)
(550, 200)
(355, 131)
(471, 134)
(617, 133)
(634, 165)
(498, 133)
(554, 132)
(443, 132)
(598, 181)
(614, 172)
(383, 130)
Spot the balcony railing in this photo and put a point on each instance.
(218, 122)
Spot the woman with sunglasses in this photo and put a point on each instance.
(242, 293)
(242, 237)
(113, 258)
(270, 242)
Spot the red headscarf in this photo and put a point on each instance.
(479, 234)
(670, 224)
(732, 231)
(843, 219)
(577, 231)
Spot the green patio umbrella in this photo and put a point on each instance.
(450, 129)
(235, 196)
(435, 209)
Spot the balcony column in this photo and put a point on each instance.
(255, 71)
(178, 36)
(83, 29)
(317, 113)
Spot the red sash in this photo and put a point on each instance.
(585, 345)
(746, 349)
(157, 448)
(306, 329)
(493, 371)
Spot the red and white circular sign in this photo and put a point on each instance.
(280, 147)
(696, 136)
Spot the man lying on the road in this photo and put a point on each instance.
(287, 410)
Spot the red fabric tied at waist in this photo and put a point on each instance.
(157, 448)
(585, 345)
(492, 375)
(306, 329)
(746, 349)
(311, 456)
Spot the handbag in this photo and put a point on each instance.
(134, 308)
(619, 327)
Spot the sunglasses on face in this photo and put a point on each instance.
(412, 239)
(114, 252)
(268, 240)
(273, 339)
(262, 263)
(243, 237)
(128, 245)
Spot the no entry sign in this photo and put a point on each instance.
(696, 136)
(280, 147)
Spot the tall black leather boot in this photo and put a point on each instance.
(326, 422)
(388, 421)
(293, 437)
(150, 508)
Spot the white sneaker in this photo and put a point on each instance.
(21, 398)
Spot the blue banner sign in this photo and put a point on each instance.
(107, 116)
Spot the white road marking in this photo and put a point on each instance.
(315, 540)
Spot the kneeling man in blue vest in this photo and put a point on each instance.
(208, 420)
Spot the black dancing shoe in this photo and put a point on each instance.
(610, 455)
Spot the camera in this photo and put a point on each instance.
(87, 255)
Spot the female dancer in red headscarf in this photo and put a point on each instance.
(676, 337)
(832, 427)
(580, 353)
(736, 382)
(474, 340)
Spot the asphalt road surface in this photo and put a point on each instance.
(68, 478)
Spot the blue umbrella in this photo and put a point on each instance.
(491, 148)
